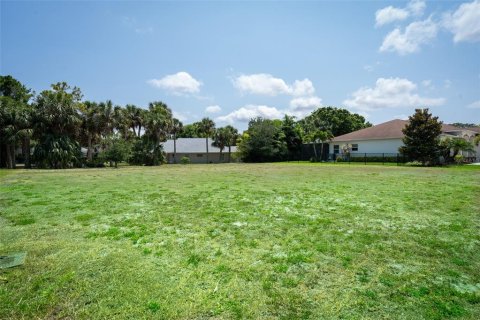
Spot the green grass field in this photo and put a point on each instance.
(258, 241)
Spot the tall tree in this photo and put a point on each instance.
(157, 126)
(57, 126)
(263, 141)
(232, 136)
(91, 125)
(175, 128)
(421, 138)
(336, 120)
(15, 121)
(292, 136)
(220, 140)
(207, 127)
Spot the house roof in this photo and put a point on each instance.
(193, 145)
(388, 130)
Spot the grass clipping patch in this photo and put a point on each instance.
(13, 260)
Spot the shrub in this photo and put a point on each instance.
(185, 160)
(414, 164)
(459, 159)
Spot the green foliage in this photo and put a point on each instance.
(145, 151)
(263, 141)
(292, 136)
(458, 159)
(57, 152)
(450, 147)
(191, 131)
(422, 137)
(335, 121)
(117, 150)
(185, 160)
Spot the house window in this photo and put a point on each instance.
(355, 147)
(199, 155)
(336, 148)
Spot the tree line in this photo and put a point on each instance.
(57, 123)
(52, 127)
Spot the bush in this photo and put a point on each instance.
(414, 164)
(185, 160)
(459, 159)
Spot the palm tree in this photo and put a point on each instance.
(232, 136)
(318, 136)
(207, 127)
(176, 127)
(157, 126)
(220, 140)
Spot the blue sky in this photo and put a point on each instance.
(232, 61)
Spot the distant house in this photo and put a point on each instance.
(386, 138)
(196, 150)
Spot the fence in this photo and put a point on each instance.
(384, 158)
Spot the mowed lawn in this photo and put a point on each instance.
(258, 241)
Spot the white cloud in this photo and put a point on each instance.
(302, 88)
(261, 83)
(266, 84)
(390, 93)
(416, 7)
(178, 83)
(213, 109)
(302, 103)
(416, 34)
(447, 84)
(474, 105)
(464, 23)
(248, 112)
(390, 14)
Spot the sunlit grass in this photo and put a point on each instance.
(242, 241)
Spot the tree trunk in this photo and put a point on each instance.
(9, 157)
(321, 152)
(315, 151)
(3, 155)
(89, 148)
(206, 141)
(229, 154)
(26, 152)
(139, 128)
(221, 151)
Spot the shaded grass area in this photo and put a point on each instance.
(286, 241)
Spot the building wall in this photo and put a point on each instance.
(200, 157)
(370, 146)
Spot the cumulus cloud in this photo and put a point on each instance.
(261, 83)
(416, 7)
(474, 105)
(178, 83)
(266, 84)
(303, 103)
(409, 41)
(464, 23)
(390, 93)
(244, 114)
(390, 14)
(213, 109)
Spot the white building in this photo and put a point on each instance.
(386, 138)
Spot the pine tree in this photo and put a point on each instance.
(422, 137)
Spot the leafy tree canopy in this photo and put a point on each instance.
(421, 138)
